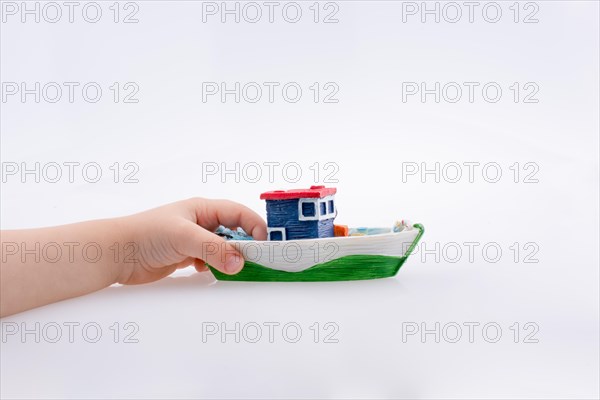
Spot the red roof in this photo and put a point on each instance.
(313, 192)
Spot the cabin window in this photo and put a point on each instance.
(308, 209)
(316, 209)
(276, 233)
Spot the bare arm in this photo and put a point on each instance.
(42, 266)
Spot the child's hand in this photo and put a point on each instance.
(180, 234)
(136, 249)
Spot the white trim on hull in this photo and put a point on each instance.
(298, 255)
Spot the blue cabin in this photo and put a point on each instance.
(300, 213)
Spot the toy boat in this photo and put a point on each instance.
(304, 244)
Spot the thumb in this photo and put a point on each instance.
(197, 242)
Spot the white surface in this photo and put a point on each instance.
(368, 134)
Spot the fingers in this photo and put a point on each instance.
(212, 213)
(197, 263)
(200, 265)
(194, 241)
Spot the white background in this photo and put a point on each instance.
(371, 135)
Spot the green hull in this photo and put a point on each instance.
(348, 268)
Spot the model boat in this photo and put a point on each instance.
(304, 244)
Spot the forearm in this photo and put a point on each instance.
(42, 266)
